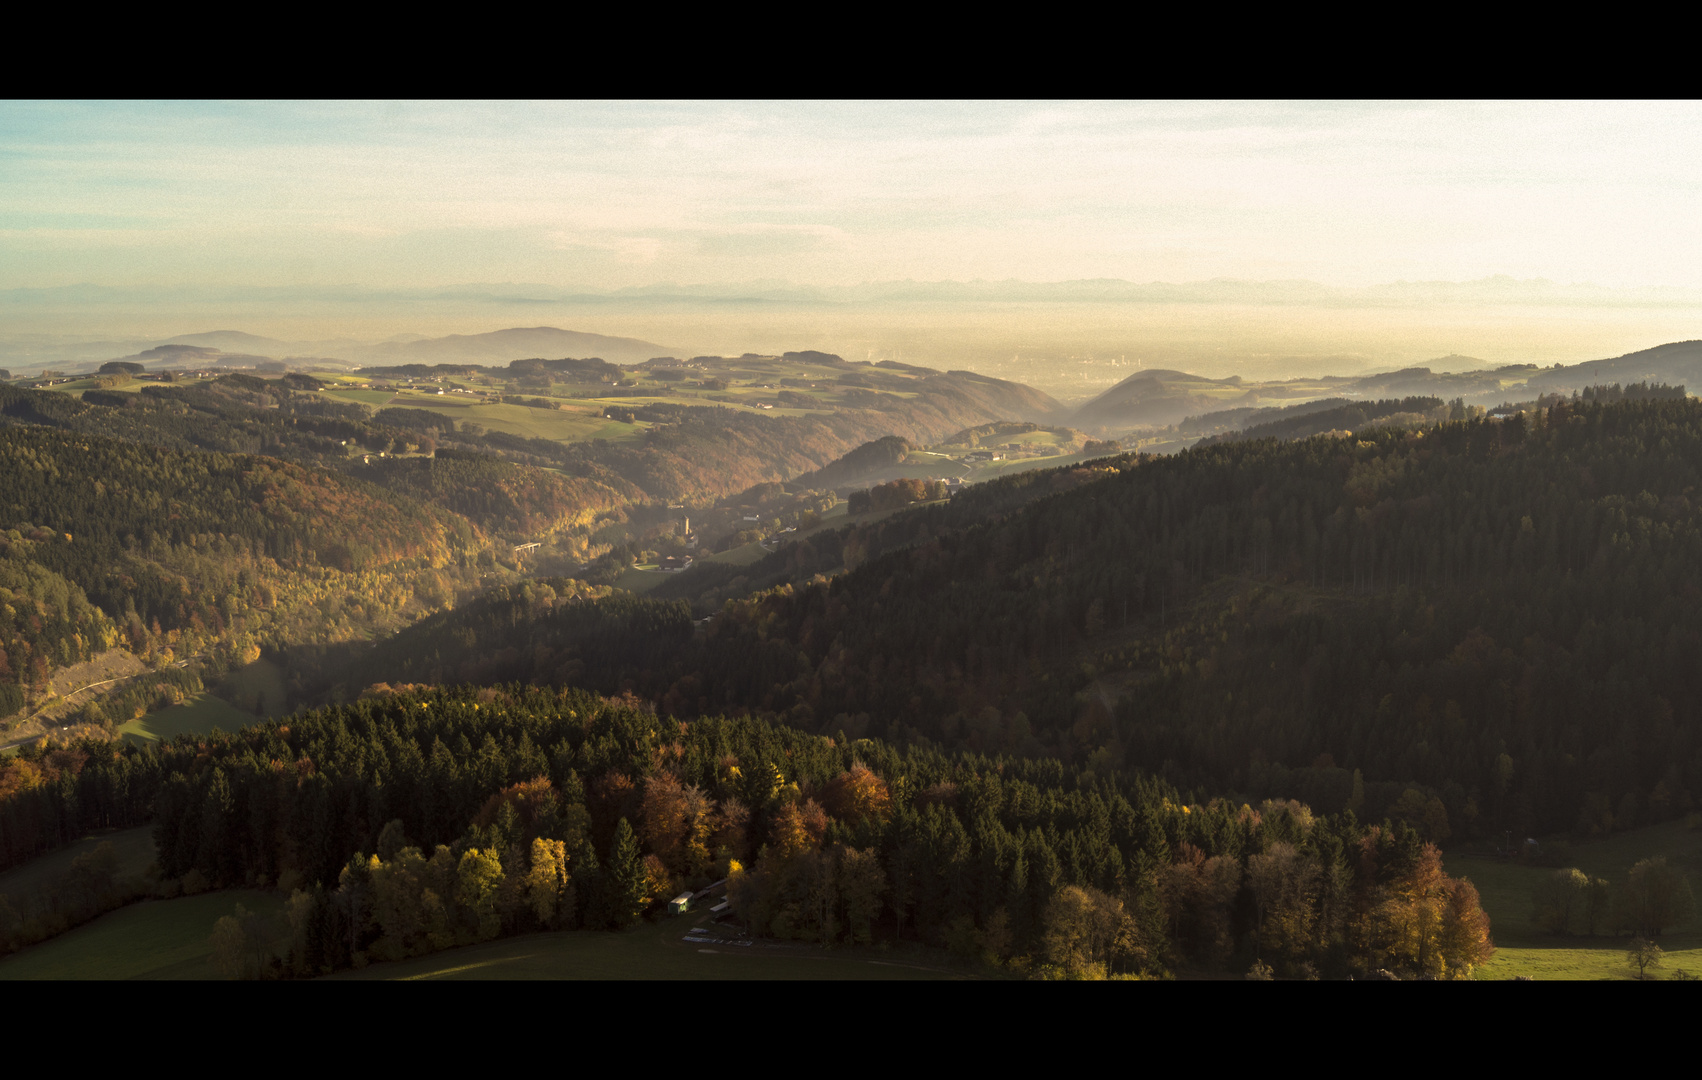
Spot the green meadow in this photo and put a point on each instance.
(257, 688)
(195, 716)
(989, 470)
(376, 398)
(634, 580)
(1506, 888)
(743, 555)
(574, 423)
(156, 939)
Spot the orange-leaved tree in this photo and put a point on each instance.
(1432, 923)
(857, 793)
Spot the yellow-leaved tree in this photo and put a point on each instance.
(548, 888)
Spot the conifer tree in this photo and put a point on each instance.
(589, 888)
(626, 878)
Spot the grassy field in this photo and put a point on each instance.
(1506, 888)
(930, 463)
(743, 555)
(158, 939)
(1034, 441)
(658, 951)
(990, 470)
(634, 580)
(134, 847)
(376, 398)
(577, 420)
(196, 716)
(575, 423)
(76, 389)
(257, 688)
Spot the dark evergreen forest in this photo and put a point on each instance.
(410, 822)
(1486, 623)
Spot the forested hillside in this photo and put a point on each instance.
(1348, 417)
(689, 450)
(109, 544)
(140, 516)
(1482, 626)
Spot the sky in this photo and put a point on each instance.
(611, 195)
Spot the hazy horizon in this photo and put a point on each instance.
(1067, 348)
(1034, 241)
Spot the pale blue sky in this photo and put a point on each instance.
(607, 195)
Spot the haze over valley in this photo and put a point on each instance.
(1070, 340)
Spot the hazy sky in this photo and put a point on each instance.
(606, 195)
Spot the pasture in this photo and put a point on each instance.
(989, 470)
(156, 939)
(634, 580)
(257, 689)
(376, 398)
(1506, 889)
(743, 555)
(195, 716)
(575, 422)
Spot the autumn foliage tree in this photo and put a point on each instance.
(1284, 885)
(1430, 923)
(856, 794)
(1465, 928)
(1198, 894)
(1088, 933)
(677, 821)
(549, 887)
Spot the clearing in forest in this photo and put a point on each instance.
(1506, 890)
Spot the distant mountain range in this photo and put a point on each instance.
(501, 346)
(1159, 398)
(234, 348)
(1152, 398)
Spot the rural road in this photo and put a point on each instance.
(67, 696)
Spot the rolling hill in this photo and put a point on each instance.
(501, 346)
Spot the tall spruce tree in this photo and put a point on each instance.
(627, 896)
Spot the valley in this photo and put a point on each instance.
(1201, 677)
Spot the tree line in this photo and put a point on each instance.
(413, 820)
